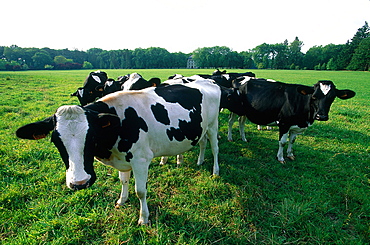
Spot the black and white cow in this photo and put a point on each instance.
(93, 87)
(98, 85)
(291, 107)
(137, 82)
(127, 129)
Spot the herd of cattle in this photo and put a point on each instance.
(135, 120)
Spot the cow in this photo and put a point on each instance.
(292, 107)
(126, 129)
(98, 85)
(93, 87)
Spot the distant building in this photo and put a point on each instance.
(190, 63)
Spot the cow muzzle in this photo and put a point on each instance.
(320, 117)
(79, 185)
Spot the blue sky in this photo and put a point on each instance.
(179, 25)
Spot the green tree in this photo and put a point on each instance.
(60, 59)
(295, 54)
(345, 56)
(87, 65)
(331, 65)
(217, 56)
(361, 58)
(40, 59)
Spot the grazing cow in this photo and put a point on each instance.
(93, 87)
(127, 129)
(291, 107)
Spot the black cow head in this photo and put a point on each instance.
(75, 133)
(323, 94)
(93, 88)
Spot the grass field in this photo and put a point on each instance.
(321, 198)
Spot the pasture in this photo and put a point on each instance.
(320, 198)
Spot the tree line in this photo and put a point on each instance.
(353, 55)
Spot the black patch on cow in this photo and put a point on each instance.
(160, 113)
(129, 156)
(130, 129)
(55, 138)
(101, 107)
(190, 99)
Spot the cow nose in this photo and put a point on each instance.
(79, 185)
(322, 117)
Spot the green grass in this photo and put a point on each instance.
(321, 198)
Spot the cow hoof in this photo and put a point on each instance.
(281, 161)
(292, 158)
(118, 206)
(141, 222)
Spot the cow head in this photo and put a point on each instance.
(75, 132)
(231, 100)
(137, 82)
(323, 94)
(93, 88)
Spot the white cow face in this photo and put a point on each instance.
(74, 141)
(76, 131)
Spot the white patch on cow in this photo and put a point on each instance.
(96, 78)
(132, 79)
(80, 92)
(271, 80)
(178, 76)
(227, 76)
(72, 126)
(325, 88)
(109, 83)
(246, 79)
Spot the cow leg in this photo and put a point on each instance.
(282, 142)
(241, 121)
(125, 178)
(163, 160)
(212, 136)
(293, 132)
(140, 170)
(180, 159)
(232, 119)
(292, 138)
(202, 149)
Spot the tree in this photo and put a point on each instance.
(217, 56)
(361, 58)
(262, 55)
(87, 65)
(40, 59)
(295, 54)
(345, 56)
(60, 59)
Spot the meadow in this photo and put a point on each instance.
(320, 198)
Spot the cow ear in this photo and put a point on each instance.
(37, 130)
(305, 90)
(345, 94)
(77, 91)
(155, 81)
(106, 120)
